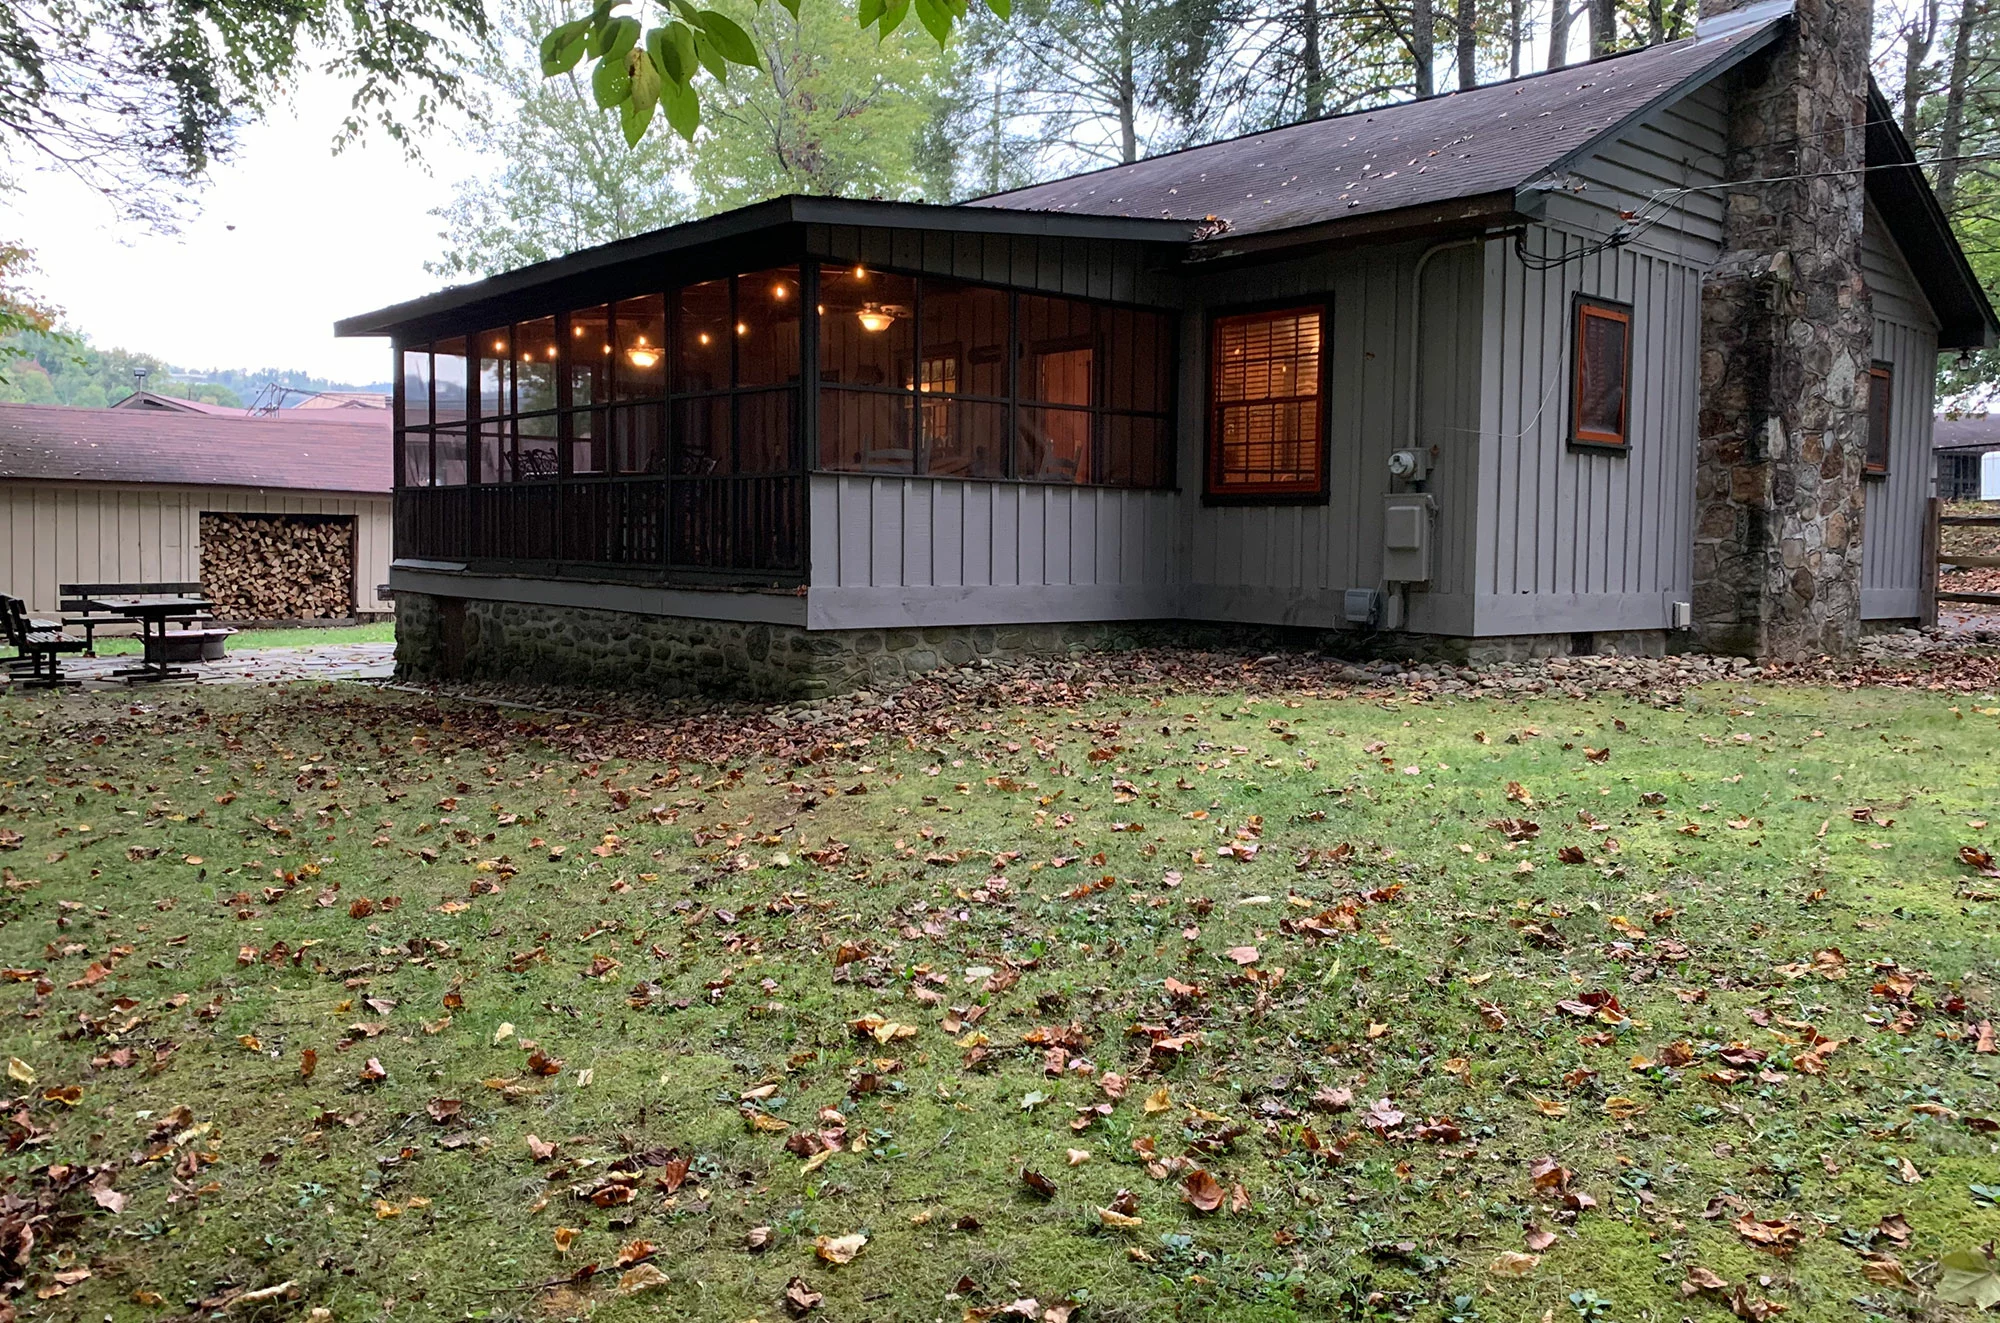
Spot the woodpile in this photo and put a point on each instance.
(278, 567)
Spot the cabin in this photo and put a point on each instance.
(1532, 368)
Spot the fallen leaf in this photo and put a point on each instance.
(1513, 1263)
(839, 1249)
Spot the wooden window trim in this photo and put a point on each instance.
(1582, 307)
(1268, 493)
(1884, 371)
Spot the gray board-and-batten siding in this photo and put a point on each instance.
(1532, 535)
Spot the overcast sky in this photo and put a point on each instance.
(316, 237)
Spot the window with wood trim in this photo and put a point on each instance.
(1881, 395)
(1267, 408)
(1601, 373)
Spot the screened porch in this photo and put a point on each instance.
(669, 436)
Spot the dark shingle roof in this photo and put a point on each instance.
(339, 450)
(1490, 139)
(1980, 433)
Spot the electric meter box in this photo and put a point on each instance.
(1407, 533)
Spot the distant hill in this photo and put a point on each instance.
(55, 371)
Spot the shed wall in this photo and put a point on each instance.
(1892, 569)
(57, 533)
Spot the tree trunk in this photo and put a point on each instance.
(1603, 27)
(1467, 23)
(1558, 33)
(1128, 94)
(1951, 133)
(1515, 23)
(1423, 36)
(1918, 35)
(995, 129)
(1315, 76)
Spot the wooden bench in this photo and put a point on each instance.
(38, 652)
(77, 601)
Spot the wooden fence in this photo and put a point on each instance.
(1937, 558)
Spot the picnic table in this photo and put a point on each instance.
(152, 613)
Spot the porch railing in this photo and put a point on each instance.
(741, 525)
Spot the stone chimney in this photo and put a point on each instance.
(1787, 335)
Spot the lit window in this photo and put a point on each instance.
(1267, 419)
(1880, 395)
(1601, 392)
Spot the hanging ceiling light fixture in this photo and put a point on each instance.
(642, 355)
(878, 317)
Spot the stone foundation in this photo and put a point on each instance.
(679, 656)
(452, 638)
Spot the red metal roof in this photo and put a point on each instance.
(335, 450)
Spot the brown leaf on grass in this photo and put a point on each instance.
(1701, 1279)
(840, 1249)
(308, 1063)
(757, 1239)
(1972, 856)
(1887, 1270)
(1537, 1238)
(633, 1252)
(1548, 1175)
(1570, 854)
(444, 1109)
(801, 1299)
(1159, 1100)
(564, 1238)
(645, 1277)
(373, 1071)
(1773, 1234)
(1039, 1183)
(541, 1063)
(1745, 1306)
(1202, 1191)
(1895, 1229)
(1113, 1085)
(1518, 793)
(1513, 1264)
(108, 1199)
(540, 1150)
(1242, 955)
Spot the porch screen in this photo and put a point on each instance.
(1879, 396)
(1267, 426)
(1600, 395)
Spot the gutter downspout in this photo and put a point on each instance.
(1399, 600)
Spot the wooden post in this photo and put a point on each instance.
(1927, 559)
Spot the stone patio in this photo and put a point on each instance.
(343, 661)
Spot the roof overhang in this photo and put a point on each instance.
(756, 233)
(1910, 210)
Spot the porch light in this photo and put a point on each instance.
(878, 317)
(742, 329)
(780, 293)
(639, 356)
(703, 337)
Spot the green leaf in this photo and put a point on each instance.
(562, 48)
(610, 84)
(1969, 1278)
(893, 16)
(613, 39)
(711, 58)
(683, 109)
(1004, 8)
(935, 18)
(791, 7)
(728, 38)
(869, 13)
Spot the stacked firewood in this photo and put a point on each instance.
(278, 567)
